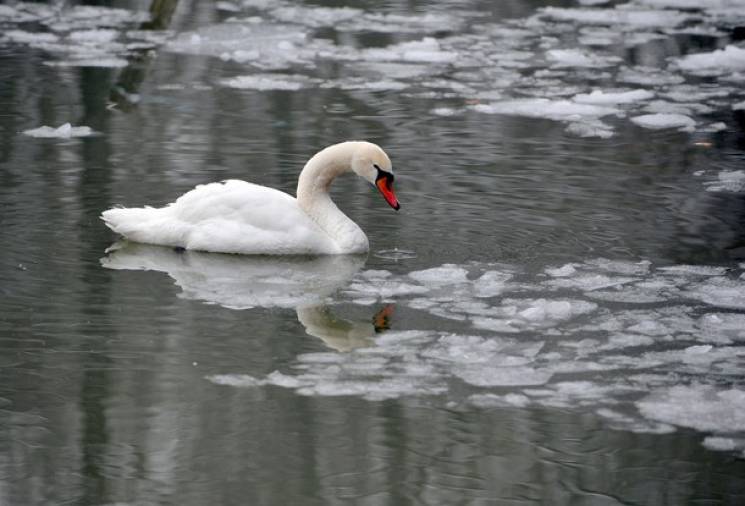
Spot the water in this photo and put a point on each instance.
(555, 316)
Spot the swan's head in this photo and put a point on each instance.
(371, 163)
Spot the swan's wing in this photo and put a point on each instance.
(230, 217)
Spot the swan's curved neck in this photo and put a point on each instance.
(313, 196)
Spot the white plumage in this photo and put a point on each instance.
(240, 217)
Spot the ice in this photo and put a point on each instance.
(731, 58)
(590, 281)
(561, 110)
(591, 128)
(720, 292)
(599, 97)
(695, 270)
(94, 36)
(640, 19)
(739, 106)
(701, 407)
(723, 444)
(268, 82)
(235, 380)
(65, 131)
(561, 272)
(493, 400)
(648, 76)
(692, 93)
(578, 58)
(446, 275)
(722, 327)
(660, 121)
(655, 365)
(728, 181)
(503, 376)
(317, 16)
(23, 37)
(426, 50)
(111, 62)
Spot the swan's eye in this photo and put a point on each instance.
(377, 167)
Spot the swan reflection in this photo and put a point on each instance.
(243, 282)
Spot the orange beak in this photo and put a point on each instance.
(384, 182)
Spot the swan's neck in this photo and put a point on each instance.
(313, 196)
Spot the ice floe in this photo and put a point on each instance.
(661, 120)
(662, 347)
(728, 181)
(722, 60)
(65, 131)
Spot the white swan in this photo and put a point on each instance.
(239, 217)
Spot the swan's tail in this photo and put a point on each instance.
(144, 224)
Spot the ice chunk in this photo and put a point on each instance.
(660, 121)
(578, 58)
(729, 59)
(23, 37)
(739, 106)
(107, 62)
(701, 407)
(641, 18)
(561, 272)
(235, 380)
(599, 97)
(94, 36)
(493, 400)
(590, 128)
(503, 376)
(728, 181)
(589, 281)
(268, 82)
(426, 50)
(719, 291)
(723, 444)
(722, 327)
(448, 274)
(562, 110)
(694, 270)
(648, 76)
(65, 131)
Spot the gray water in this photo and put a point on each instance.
(555, 316)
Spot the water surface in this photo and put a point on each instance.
(555, 316)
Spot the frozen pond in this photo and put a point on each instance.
(555, 316)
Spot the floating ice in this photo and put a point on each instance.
(700, 407)
(543, 108)
(446, 275)
(577, 58)
(739, 106)
(723, 444)
(719, 291)
(591, 129)
(640, 19)
(722, 60)
(728, 181)
(427, 50)
(660, 121)
(599, 97)
(648, 76)
(94, 36)
(65, 131)
(268, 82)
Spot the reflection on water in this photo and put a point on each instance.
(246, 282)
(104, 362)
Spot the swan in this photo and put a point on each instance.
(236, 216)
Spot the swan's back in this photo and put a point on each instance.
(230, 217)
